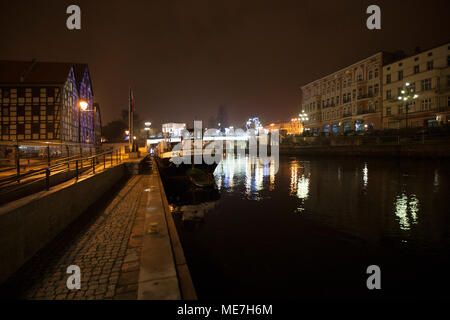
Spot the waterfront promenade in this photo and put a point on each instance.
(119, 254)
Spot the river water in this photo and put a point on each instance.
(311, 229)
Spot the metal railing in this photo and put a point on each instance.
(78, 165)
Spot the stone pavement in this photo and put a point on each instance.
(105, 247)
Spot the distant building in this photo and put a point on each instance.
(348, 99)
(173, 129)
(40, 102)
(287, 127)
(428, 73)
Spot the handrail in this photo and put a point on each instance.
(74, 161)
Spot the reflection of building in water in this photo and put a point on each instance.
(299, 180)
(272, 174)
(365, 175)
(294, 177)
(436, 181)
(303, 187)
(249, 170)
(406, 209)
(254, 177)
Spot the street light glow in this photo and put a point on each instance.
(83, 104)
(148, 124)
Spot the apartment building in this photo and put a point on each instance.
(348, 99)
(427, 74)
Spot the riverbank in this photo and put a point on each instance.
(397, 147)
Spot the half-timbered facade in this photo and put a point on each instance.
(39, 101)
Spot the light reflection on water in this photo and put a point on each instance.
(401, 201)
(365, 175)
(248, 171)
(406, 209)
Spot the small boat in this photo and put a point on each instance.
(183, 177)
(164, 156)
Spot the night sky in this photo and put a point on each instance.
(186, 58)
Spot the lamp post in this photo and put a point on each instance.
(83, 104)
(303, 117)
(406, 95)
(84, 108)
(147, 128)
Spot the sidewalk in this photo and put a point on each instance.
(154, 266)
(98, 247)
(120, 257)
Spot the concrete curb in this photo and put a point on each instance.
(184, 276)
(163, 272)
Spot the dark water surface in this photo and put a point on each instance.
(311, 229)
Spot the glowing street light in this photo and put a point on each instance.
(148, 124)
(407, 95)
(83, 104)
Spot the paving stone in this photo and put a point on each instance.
(98, 247)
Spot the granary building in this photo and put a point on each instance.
(39, 102)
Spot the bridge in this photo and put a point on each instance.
(154, 141)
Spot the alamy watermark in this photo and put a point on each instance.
(207, 146)
(74, 280)
(374, 280)
(73, 22)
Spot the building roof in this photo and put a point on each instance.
(36, 72)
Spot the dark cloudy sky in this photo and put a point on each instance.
(186, 58)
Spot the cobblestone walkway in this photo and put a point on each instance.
(100, 247)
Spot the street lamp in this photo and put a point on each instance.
(83, 104)
(147, 128)
(406, 95)
(303, 117)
